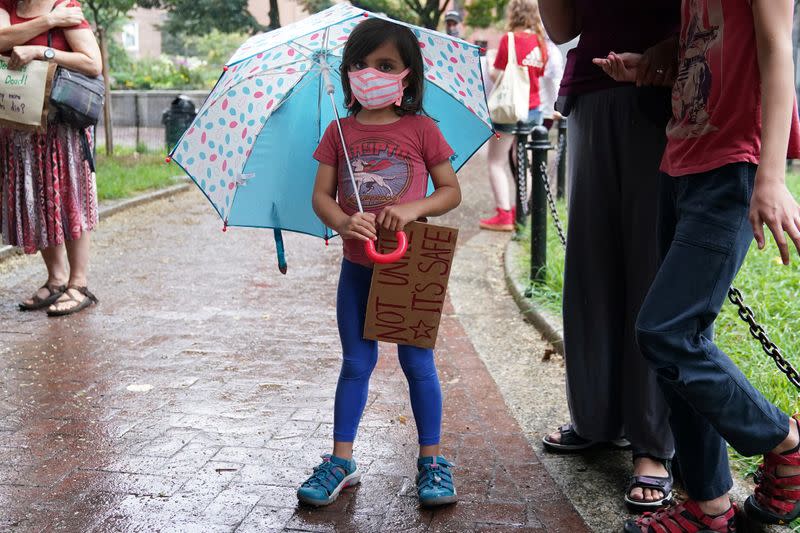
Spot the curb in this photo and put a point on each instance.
(116, 207)
(549, 326)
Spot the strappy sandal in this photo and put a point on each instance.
(82, 304)
(570, 441)
(659, 483)
(55, 292)
(777, 498)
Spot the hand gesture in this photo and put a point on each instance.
(620, 67)
(658, 64)
(772, 204)
(395, 217)
(22, 55)
(360, 226)
(65, 17)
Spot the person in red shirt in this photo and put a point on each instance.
(531, 49)
(733, 117)
(48, 190)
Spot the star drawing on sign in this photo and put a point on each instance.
(421, 330)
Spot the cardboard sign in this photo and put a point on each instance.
(406, 297)
(24, 94)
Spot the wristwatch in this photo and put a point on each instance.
(49, 54)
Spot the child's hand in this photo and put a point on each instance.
(772, 204)
(359, 226)
(620, 67)
(395, 217)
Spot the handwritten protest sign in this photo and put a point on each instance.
(406, 297)
(24, 94)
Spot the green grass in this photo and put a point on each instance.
(770, 288)
(127, 173)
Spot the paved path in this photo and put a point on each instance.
(199, 393)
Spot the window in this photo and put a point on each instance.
(130, 36)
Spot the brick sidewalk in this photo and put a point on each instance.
(199, 394)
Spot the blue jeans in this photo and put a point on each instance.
(534, 119)
(359, 357)
(704, 237)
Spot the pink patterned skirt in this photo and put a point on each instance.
(48, 193)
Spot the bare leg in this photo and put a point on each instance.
(343, 450)
(56, 263)
(498, 170)
(429, 451)
(78, 254)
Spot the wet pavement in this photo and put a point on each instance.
(199, 394)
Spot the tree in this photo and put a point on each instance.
(274, 15)
(315, 6)
(485, 13)
(199, 17)
(105, 14)
(428, 13)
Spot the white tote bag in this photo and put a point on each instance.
(510, 99)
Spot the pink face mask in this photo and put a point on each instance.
(375, 89)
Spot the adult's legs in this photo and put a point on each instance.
(710, 399)
(55, 262)
(425, 391)
(594, 285)
(498, 170)
(359, 356)
(78, 256)
(611, 260)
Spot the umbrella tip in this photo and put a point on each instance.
(225, 226)
(365, 14)
(482, 49)
(225, 68)
(168, 159)
(497, 135)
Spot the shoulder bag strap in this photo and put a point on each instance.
(50, 32)
(512, 51)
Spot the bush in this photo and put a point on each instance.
(163, 73)
(198, 66)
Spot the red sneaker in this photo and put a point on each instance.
(502, 221)
(777, 498)
(684, 518)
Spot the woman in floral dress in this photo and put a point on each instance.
(48, 195)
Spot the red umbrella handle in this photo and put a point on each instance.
(391, 257)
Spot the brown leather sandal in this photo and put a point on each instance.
(82, 304)
(40, 303)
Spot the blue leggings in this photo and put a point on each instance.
(359, 357)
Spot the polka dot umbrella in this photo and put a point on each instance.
(250, 147)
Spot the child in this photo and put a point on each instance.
(724, 165)
(392, 148)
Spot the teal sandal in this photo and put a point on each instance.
(328, 480)
(435, 481)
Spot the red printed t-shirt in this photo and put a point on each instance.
(716, 100)
(59, 39)
(529, 54)
(390, 164)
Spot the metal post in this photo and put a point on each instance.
(562, 162)
(138, 121)
(539, 146)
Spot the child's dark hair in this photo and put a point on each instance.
(369, 35)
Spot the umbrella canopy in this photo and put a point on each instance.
(250, 147)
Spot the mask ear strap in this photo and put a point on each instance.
(404, 75)
(352, 99)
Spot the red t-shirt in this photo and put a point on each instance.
(390, 164)
(530, 54)
(716, 100)
(59, 39)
